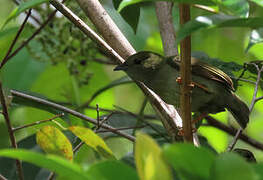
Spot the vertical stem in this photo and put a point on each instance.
(165, 19)
(10, 131)
(185, 101)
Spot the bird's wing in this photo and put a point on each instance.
(211, 72)
(203, 69)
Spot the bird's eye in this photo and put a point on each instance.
(137, 61)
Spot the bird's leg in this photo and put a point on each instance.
(194, 121)
(193, 84)
(199, 118)
(181, 131)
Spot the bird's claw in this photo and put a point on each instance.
(179, 81)
(181, 131)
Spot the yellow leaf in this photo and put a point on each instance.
(93, 140)
(53, 141)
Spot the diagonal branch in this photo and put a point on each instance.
(70, 111)
(6, 58)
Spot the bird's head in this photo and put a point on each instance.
(140, 65)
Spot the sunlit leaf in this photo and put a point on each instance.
(53, 141)
(112, 170)
(189, 161)
(93, 140)
(54, 163)
(149, 161)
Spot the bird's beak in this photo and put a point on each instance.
(122, 67)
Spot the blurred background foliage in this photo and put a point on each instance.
(60, 65)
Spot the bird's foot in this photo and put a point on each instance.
(179, 81)
(201, 86)
(192, 84)
(181, 131)
(199, 118)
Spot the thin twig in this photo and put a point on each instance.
(31, 37)
(252, 104)
(232, 131)
(70, 111)
(10, 132)
(206, 8)
(259, 98)
(141, 113)
(121, 129)
(98, 116)
(145, 122)
(78, 147)
(38, 122)
(254, 99)
(31, 16)
(15, 40)
(146, 116)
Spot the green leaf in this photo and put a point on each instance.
(93, 140)
(111, 170)
(189, 161)
(259, 170)
(217, 21)
(130, 14)
(23, 6)
(229, 166)
(54, 163)
(149, 161)
(126, 3)
(235, 7)
(53, 141)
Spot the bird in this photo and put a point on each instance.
(212, 90)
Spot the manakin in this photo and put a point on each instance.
(212, 91)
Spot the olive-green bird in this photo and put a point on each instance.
(212, 93)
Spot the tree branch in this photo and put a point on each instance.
(185, 71)
(107, 28)
(10, 131)
(232, 131)
(70, 111)
(164, 15)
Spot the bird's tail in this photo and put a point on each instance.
(239, 110)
